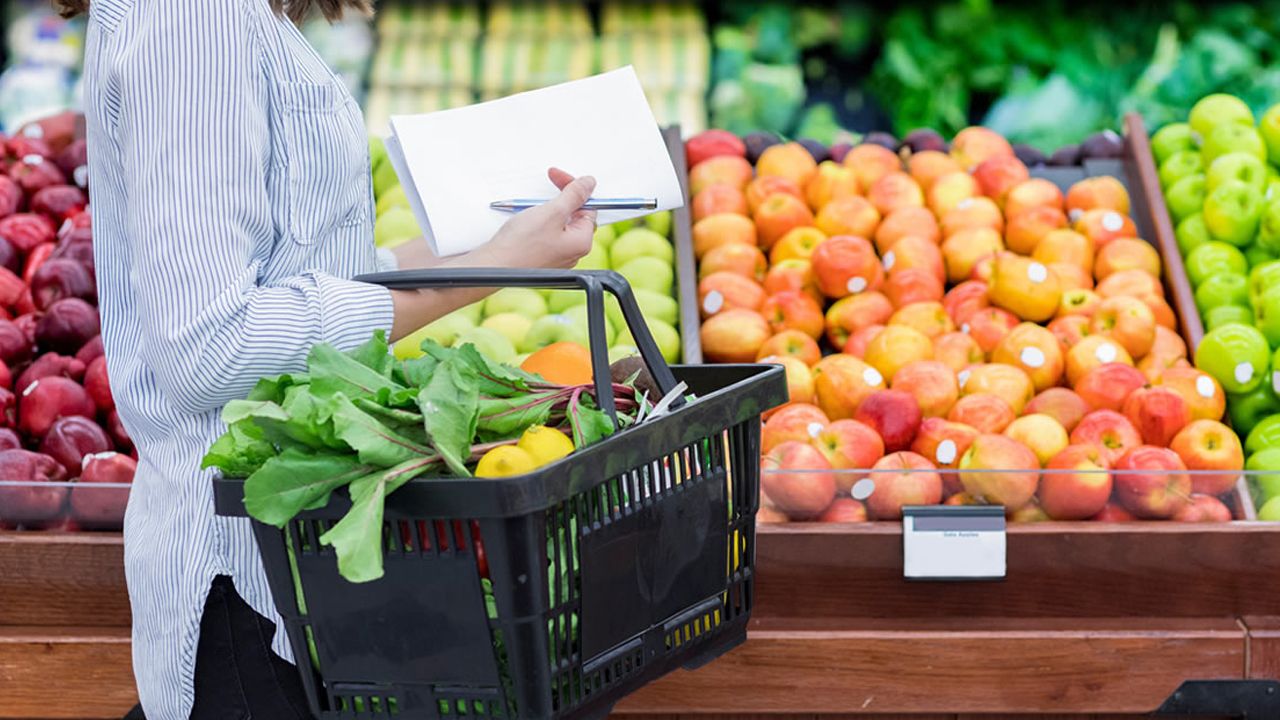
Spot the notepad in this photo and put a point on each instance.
(453, 163)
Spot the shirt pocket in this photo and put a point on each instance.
(326, 160)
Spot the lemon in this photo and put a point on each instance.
(505, 461)
(545, 444)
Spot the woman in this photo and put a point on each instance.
(232, 204)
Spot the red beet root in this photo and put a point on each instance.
(27, 324)
(25, 231)
(59, 278)
(20, 146)
(70, 439)
(91, 351)
(37, 501)
(119, 434)
(59, 202)
(98, 386)
(78, 226)
(50, 365)
(50, 398)
(10, 196)
(14, 345)
(102, 508)
(9, 439)
(67, 325)
(33, 173)
(11, 288)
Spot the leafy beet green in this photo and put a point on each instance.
(365, 421)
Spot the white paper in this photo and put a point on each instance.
(453, 163)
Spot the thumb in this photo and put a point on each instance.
(573, 196)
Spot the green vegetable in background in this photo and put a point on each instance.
(365, 421)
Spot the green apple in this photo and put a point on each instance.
(474, 311)
(377, 152)
(613, 311)
(1236, 355)
(520, 359)
(1264, 468)
(384, 178)
(560, 300)
(656, 306)
(1248, 409)
(1269, 126)
(1231, 138)
(512, 326)
(550, 329)
(526, 301)
(1214, 258)
(394, 197)
(1270, 511)
(622, 226)
(444, 331)
(1179, 165)
(618, 352)
(667, 338)
(640, 242)
(1272, 192)
(578, 314)
(1269, 227)
(1171, 139)
(1221, 315)
(649, 273)
(605, 235)
(491, 343)
(1232, 212)
(1185, 197)
(597, 258)
(1262, 278)
(1258, 255)
(395, 227)
(1218, 109)
(1236, 166)
(1191, 233)
(659, 222)
(1266, 434)
(1267, 313)
(1224, 289)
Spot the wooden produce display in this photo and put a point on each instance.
(1092, 620)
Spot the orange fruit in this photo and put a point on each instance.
(563, 363)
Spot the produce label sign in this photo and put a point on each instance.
(953, 543)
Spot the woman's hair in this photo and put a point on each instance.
(297, 10)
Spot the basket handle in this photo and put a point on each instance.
(594, 282)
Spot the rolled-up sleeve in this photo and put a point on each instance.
(195, 147)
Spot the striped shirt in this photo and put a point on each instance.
(232, 202)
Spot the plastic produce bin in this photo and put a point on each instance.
(608, 569)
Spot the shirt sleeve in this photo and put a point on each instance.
(195, 145)
(387, 261)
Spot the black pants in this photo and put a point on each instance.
(237, 675)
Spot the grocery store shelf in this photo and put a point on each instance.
(55, 578)
(50, 673)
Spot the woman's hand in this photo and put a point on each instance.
(553, 235)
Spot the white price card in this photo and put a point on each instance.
(960, 542)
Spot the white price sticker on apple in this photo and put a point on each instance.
(960, 542)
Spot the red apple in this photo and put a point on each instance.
(1107, 386)
(1203, 508)
(798, 479)
(892, 413)
(931, 383)
(849, 445)
(1152, 482)
(1112, 512)
(1158, 413)
(1205, 445)
(1076, 484)
(1109, 430)
(1000, 470)
(1061, 404)
(905, 478)
(843, 510)
(102, 507)
(798, 422)
(943, 442)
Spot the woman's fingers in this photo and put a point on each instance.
(573, 196)
(582, 221)
(559, 177)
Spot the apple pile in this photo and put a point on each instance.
(1220, 176)
(953, 330)
(514, 322)
(57, 417)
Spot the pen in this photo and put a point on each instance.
(625, 203)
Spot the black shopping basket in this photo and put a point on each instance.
(605, 570)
